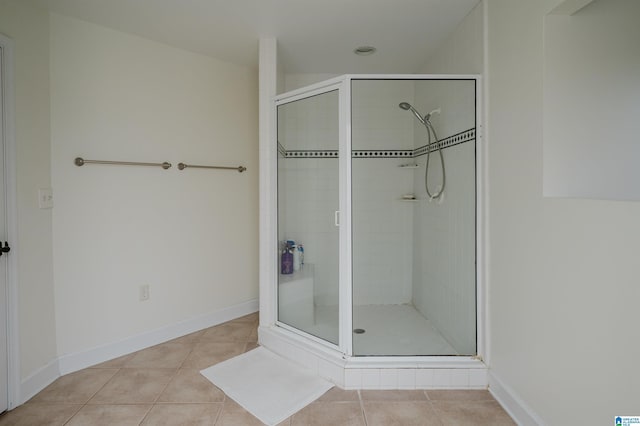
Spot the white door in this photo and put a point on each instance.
(4, 393)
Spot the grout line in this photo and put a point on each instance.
(175, 373)
(146, 414)
(101, 387)
(364, 414)
(74, 414)
(219, 416)
(188, 355)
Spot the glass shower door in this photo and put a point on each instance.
(308, 199)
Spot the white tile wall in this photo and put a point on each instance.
(444, 243)
(371, 378)
(353, 379)
(478, 378)
(389, 378)
(382, 232)
(407, 378)
(382, 225)
(425, 378)
(442, 378)
(415, 378)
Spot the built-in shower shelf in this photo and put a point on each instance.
(408, 166)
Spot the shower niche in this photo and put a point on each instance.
(373, 231)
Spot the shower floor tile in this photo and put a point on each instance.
(389, 330)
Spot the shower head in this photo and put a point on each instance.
(407, 107)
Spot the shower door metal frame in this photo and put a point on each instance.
(344, 229)
(307, 346)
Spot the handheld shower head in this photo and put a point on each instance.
(407, 107)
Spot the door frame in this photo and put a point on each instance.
(8, 140)
(331, 85)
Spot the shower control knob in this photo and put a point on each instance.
(6, 248)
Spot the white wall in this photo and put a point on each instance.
(191, 235)
(592, 102)
(29, 28)
(444, 252)
(462, 52)
(293, 81)
(563, 273)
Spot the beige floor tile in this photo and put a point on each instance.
(234, 415)
(75, 388)
(191, 386)
(400, 413)
(183, 414)
(249, 346)
(337, 394)
(189, 338)
(459, 395)
(39, 415)
(253, 337)
(110, 415)
(229, 332)
(166, 355)
(163, 385)
(393, 395)
(477, 413)
(206, 354)
(329, 413)
(134, 386)
(115, 363)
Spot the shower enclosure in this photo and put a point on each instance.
(375, 242)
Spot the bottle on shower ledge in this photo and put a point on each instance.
(301, 250)
(286, 260)
(297, 260)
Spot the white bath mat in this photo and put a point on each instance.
(267, 385)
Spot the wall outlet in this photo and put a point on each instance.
(45, 198)
(144, 292)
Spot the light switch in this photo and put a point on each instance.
(45, 198)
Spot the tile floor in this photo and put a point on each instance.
(162, 385)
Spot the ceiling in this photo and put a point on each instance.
(313, 36)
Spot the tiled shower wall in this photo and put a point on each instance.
(382, 224)
(308, 187)
(444, 237)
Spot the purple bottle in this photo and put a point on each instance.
(286, 261)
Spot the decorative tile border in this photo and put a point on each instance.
(457, 139)
(312, 153)
(386, 153)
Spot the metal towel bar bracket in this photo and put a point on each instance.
(79, 161)
(182, 166)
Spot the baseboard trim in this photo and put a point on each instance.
(38, 381)
(519, 411)
(77, 361)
